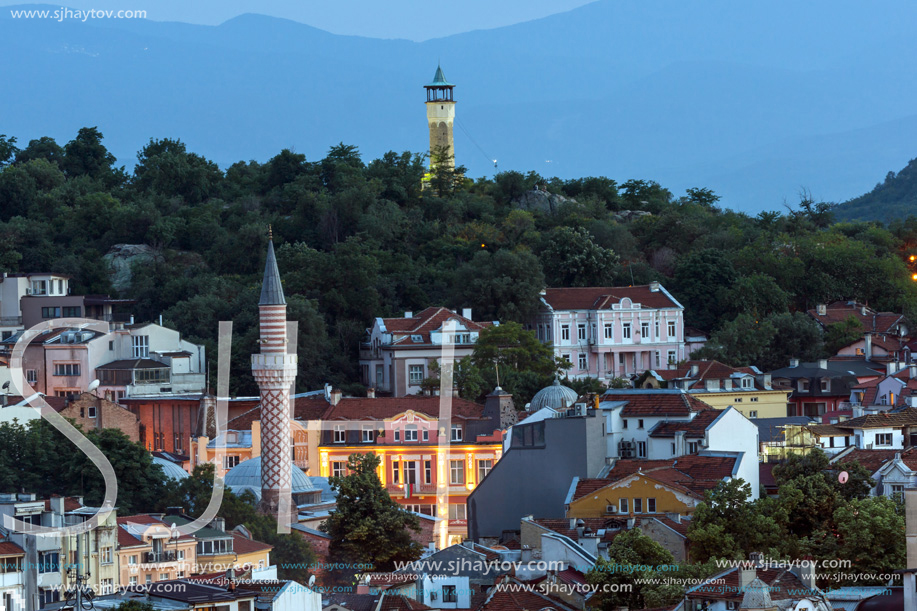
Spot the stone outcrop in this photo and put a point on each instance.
(538, 200)
(120, 259)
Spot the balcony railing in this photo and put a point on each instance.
(10, 321)
(168, 556)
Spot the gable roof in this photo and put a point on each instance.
(694, 428)
(656, 402)
(873, 460)
(692, 474)
(243, 545)
(904, 417)
(771, 429)
(423, 323)
(603, 297)
(8, 548)
(872, 321)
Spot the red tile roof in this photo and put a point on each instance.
(8, 548)
(874, 460)
(656, 403)
(424, 322)
(561, 526)
(510, 594)
(693, 428)
(872, 321)
(126, 539)
(603, 297)
(692, 474)
(780, 583)
(70, 503)
(905, 417)
(680, 527)
(391, 602)
(243, 545)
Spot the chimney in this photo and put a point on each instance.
(466, 313)
(408, 314)
(328, 392)
(580, 528)
(526, 554)
(572, 523)
(680, 448)
(868, 350)
(695, 370)
(747, 574)
(370, 393)
(654, 287)
(863, 311)
(57, 505)
(631, 522)
(590, 542)
(805, 571)
(822, 363)
(821, 309)
(891, 368)
(794, 362)
(335, 396)
(674, 516)
(132, 319)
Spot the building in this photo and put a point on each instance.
(169, 423)
(612, 332)
(13, 287)
(246, 477)
(440, 116)
(274, 370)
(820, 390)
(399, 352)
(150, 550)
(654, 487)
(894, 471)
(419, 473)
(12, 558)
(873, 322)
(219, 549)
(718, 385)
(775, 438)
(93, 551)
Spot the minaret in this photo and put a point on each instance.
(274, 371)
(440, 115)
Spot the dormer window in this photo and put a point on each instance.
(746, 383)
(456, 432)
(417, 339)
(825, 385)
(804, 385)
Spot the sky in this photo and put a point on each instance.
(411, 19)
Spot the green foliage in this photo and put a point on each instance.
(893, 198)
(768, 343)
(368, 527)
(844, 333)
(571, 258)
(135, 605)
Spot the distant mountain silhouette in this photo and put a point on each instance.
(754, 101)
(894, 198)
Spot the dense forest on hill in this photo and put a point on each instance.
(894, 198)
(360, 238)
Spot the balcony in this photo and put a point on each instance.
(168, 556)
(10, 321)
(397, 490)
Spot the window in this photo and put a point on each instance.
(626, 333)
(754, 399)
(148, 579)
(181, 554)
(753, 413)
(638, 505)
(692, 447)
(396, 472)
(622, 506)
(140, 346)
(427, 471)
(367, 433)
(66, 369)
(624, 420)
(804, 385)
(746, 383)
(338, 468)
(456, 432)
(49, 595)
(651, 505)
(883, 439)
(737, 399)
(449, 595)
(426, 435)
(581, 331)
(91, 411)
(565, 333)
(50, 312)
(163, 577)
(671, 329)
(106, 555)
(415, 375)
(609, 333)
(640, 423)
(133, 580)
(230, 461)
(645, 330)
(457, 511)
(132, 559)
(72, 312)
(641, 449)
(410, 432)
(457, 472)
(673, 449)
(657, 331)
(340, 435)
(583, 362)
(897, 490)
(397, 435)
(31, 376)
(671, 357)
(151, 376)
(111, 346)
(10, 565)
(39, 287)
(49, 562)
(484, 467)
(658, 359)
(826, 385)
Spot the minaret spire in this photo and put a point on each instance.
(274, 370)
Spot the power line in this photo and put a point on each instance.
(474, 142)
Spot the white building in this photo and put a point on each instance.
(612, 332)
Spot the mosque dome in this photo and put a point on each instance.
(247, 476)
(172, 471)
(556, 396)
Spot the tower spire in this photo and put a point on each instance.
(440, 117)
(271, 288)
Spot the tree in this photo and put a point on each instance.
(8, 149)
(758, 295)
(571, 258)
(841, 334)
(727, 525)
(510, 346)
(740, 342)
(368, 528)
(43, 148)
(167, 168)
(633, 548)
(703, 280)
(502, 286)
(85, 155)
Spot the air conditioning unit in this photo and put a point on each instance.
(627, 453)
(626, 444)
(702, 443)
(611, 509)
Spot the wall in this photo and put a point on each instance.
(635, 486)
(733, 432)
(666, 537)
(108, 415)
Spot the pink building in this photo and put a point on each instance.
(613, 332)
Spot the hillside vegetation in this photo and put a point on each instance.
(894, 198)
(357, 239)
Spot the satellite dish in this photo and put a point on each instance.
(311, 580)
(6, 385)
(93, 385)
(842, 477)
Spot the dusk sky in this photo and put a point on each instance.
(409, 19)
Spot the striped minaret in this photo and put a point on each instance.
(274, 371)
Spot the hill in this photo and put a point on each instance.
(692, 95)
(894, 198)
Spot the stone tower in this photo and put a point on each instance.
(440, 116)
(274, 370)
